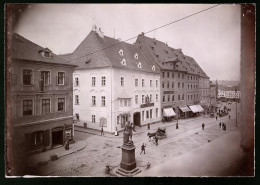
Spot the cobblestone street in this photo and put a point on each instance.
(101, 150)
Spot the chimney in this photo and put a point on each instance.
(100, 33)
(142, 34)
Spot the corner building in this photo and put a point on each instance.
(114, 85)
(180, 77)
(41, 91)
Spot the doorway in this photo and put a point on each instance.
(137, 119)
(57, 137)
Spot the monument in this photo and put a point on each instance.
(128, 164)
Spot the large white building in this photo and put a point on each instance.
(228, 93)
(113, 85)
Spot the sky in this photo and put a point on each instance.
(212, 37)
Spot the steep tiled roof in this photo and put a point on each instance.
(96, 51)
(24, 49)
(161, 52)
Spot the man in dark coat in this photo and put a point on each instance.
(219, 124)
(148, 126)
(102, 131)
(143, 148)
(156, 140)
(216, 118)
(203, 125)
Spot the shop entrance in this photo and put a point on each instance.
(57, 137)
(137, 119)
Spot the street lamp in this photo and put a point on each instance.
(236, 104)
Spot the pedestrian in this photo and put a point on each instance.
(177, 126)
(203, 125)
(67, 145)
(148, 126)
(143, 148)
(229, 116)
(116, 133)
(156, 140)
(216, 118)
(102, 131)
(219, 124)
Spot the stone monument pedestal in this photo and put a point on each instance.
(128, 163)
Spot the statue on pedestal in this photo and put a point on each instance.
(128, 132)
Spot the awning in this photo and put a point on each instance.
(184, 109)
(200, 108)
(168, 112)
(194, 108)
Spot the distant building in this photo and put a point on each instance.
(229, 93)
(184, 85)
(114, 85)
(41, 92)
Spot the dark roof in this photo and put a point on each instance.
(161, 53)
(228, 88)
(24, 49)
(95, 51)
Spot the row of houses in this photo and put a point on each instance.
(103, 82)
(231, 93)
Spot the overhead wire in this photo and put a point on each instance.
(178, 20)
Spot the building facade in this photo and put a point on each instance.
(181, 83)
(228, 93)
(114, 85)
(41, 92)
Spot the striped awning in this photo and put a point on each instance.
(169, 112)
(194, 108)
(184, 109)
(200, 108)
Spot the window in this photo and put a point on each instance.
(136, 99)
(182, 75)
(182, 96)
(163, 74)
(93, 81)
(103, 101)
(188, 86)
(178, 75)
(76, 99)
(121, 52)
(45, 75)
(147, 114)
(168, 98)
(172, 75)
(172, 84)
(163, 99)
(142, 98)
(143, 83)
(122, 81)
(103, 81)
(27, 107)
(156, 97)
(37, 138)
(142, 115)
(156, 112)
(61, 104)
(168, 74)
(27, 77)
(168, 84)
(77, 81)
(179, 97)
(156, 83)
(136, 56)
(163, 85)
(188, 97)
(93, 118)
(179, 84)
(93, 100)
(151, 97)
(151, 113)
(61, 78)
(46, 106)
(188, 77)
(182, 85)
(151, 82)
(136, 82)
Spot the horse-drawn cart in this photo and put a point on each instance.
(160, 133)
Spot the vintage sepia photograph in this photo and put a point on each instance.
(129, 90)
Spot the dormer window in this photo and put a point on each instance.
(121, 52)
(153, 68)
(166, 51)
(139, 65)
(46, 53)
(152, 47)
(123, 62)
(136, 56)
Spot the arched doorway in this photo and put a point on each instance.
(137, 119)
